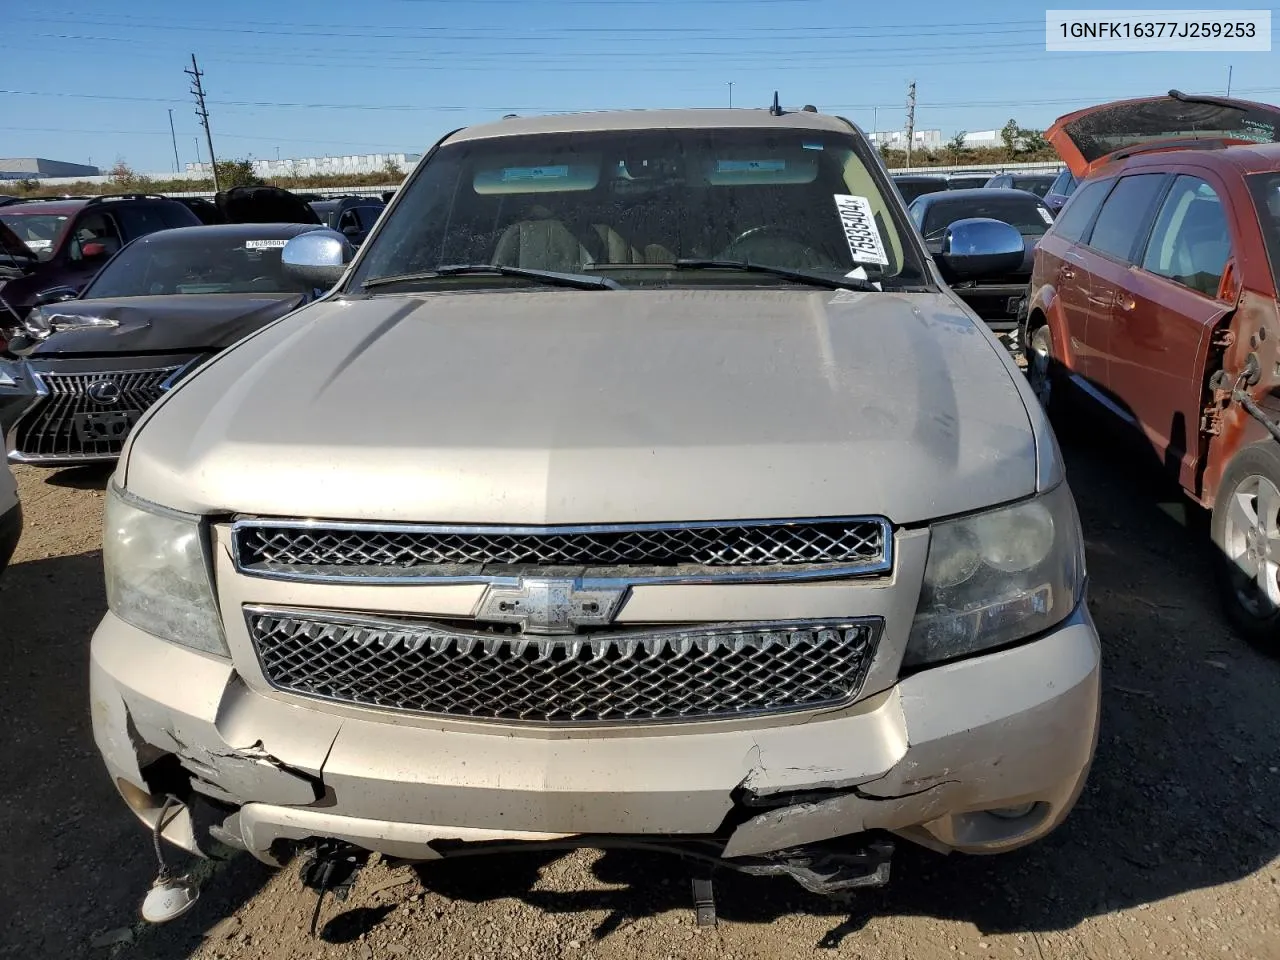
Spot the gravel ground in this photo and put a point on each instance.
(1174, 850)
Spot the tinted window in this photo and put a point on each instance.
(140, 219)
(198, 262)
(1027, 214)
(605, 201)
(1123, 218)
(1037, 185)
(1191, 241)
(1074, 219)
(1060, 184)
(368, 216)
(1265, 188)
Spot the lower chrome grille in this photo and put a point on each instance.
(87, 415)
(703, 672)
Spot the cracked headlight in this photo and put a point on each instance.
(157, 576)
(997, 577)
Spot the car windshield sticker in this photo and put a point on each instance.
(264, 244)
(536, 173)
(860, 231)
(812, 146)
(750, 166)
(1045, 215)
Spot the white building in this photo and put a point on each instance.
(897, 139)
(983, 138)
(312, 166)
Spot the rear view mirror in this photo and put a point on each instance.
(980, 247)
(317, 258)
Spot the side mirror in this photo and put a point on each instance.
(93, 251)
(54, 295)
(317, 258)
(980, 247)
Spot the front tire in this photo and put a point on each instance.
(1246, 535)
(1044, 370)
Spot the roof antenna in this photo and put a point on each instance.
(776, 110)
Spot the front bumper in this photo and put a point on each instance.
(10, 532)
(925, 758)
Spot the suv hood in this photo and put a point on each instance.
(166, 324)
(540, 407)
(1089, 138)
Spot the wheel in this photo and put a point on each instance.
(1246, 533)
(1043, 370)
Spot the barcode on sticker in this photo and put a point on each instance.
(859, 225)
(264, 244)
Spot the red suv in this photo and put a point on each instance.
(1154, 294)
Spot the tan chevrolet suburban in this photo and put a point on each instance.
(639, 482)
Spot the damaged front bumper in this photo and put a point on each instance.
(928, 759)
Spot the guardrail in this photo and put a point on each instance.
(1047, 166)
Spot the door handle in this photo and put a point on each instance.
(1125, 302)
(1068, 273)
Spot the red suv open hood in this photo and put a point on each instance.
(1090, 137)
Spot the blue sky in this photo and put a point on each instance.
(81, 82)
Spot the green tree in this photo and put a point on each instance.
(124, 177)
(956, 147)
(392, 170)
(237, 173)
(1033, 141)
(1009, 134)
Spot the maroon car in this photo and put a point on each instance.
(51, 249)
(1154, 296)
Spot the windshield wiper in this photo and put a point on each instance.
(579, 281)
(800, 276)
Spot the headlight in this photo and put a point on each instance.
(157, 577)
(997, 577)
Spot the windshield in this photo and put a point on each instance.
(625, 203)
(1027, 216)
(38, 231)
(195, 263)
(1265, 188)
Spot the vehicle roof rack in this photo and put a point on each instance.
(103, 198)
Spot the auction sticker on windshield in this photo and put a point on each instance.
(264, 244)
(860, 230)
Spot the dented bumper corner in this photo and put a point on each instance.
(927, 759)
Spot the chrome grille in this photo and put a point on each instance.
(67, 423)
(703, 672)
(641, 551)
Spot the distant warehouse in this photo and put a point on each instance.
(36, 168)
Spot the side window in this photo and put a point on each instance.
(916, 212)
(1191, 241)
(139, 219)
(368, 216)
(94, 228)
(1070, 186)
(1074, 219)
(1059, 184)
(1123, 217)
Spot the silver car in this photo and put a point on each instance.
(640, 481)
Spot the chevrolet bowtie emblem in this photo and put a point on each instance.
(550, 605)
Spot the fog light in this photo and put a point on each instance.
(1013, 813)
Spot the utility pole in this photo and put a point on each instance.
(911, 119)
(730, 94)
(176, 163)
(1229, 69)
(197, 89)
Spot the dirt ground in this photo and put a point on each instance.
(1174, 850)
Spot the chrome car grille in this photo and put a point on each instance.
(637, 552)
(68, 423)
(693, 673)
